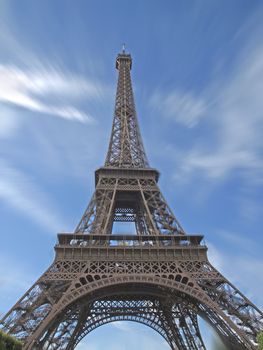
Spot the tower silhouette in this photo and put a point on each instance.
(159, 276)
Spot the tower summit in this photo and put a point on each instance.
(160, 276)
(126, 148)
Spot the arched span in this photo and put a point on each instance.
(83, 287)
(147, 322)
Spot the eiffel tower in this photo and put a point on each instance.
(160, 276)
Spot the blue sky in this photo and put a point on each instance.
(198, 82)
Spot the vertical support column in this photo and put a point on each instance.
(110, 214)
(151, 225)
(182, 328)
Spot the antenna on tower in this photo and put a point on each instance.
(123, 48)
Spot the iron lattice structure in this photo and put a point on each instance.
(160, 276)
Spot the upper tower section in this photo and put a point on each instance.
(126, 148)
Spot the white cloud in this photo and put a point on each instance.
(15, 279)
(86, 346)
(123, 326)
(219, 163)
(215, 257)
(183, 107)
(21, 193)
(8, 122)
(40, 85)
(236, 127)
(243, 241)
(45, 91)
(244, 268)
(132, 336)
(229, 114)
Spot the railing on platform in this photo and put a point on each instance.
(124, 240)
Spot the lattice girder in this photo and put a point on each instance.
(234, 304)
(188, 274)
(33, 307)
(82, 317)
(136, 309)
(141, 195)
(185, 276)
(126, 147)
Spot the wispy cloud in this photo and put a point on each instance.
(246, 259)
(41, 85)
(235, 142)
(21, 193)
(8, 122)
(127, 335)
(15, 279)
(46, 90)
(182, 107)
(230, 112)
(122, 326)
(243, 241)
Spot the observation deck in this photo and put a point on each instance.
(127, 247)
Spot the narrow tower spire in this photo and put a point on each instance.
(126, 148)
(123, 48)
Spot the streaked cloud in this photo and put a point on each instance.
(182, 107)
(230, 111)
(126, 335)
(41, 84)
(8, 122)
(48, 91)
(20, 192)
(243, 241)
(246, 259)
(15, 279)
(235, 142)
(122, 326)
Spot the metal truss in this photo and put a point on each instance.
(235, 318)
(132, 197)
(126, 148)
(160, 276)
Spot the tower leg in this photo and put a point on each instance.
(182, 328)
